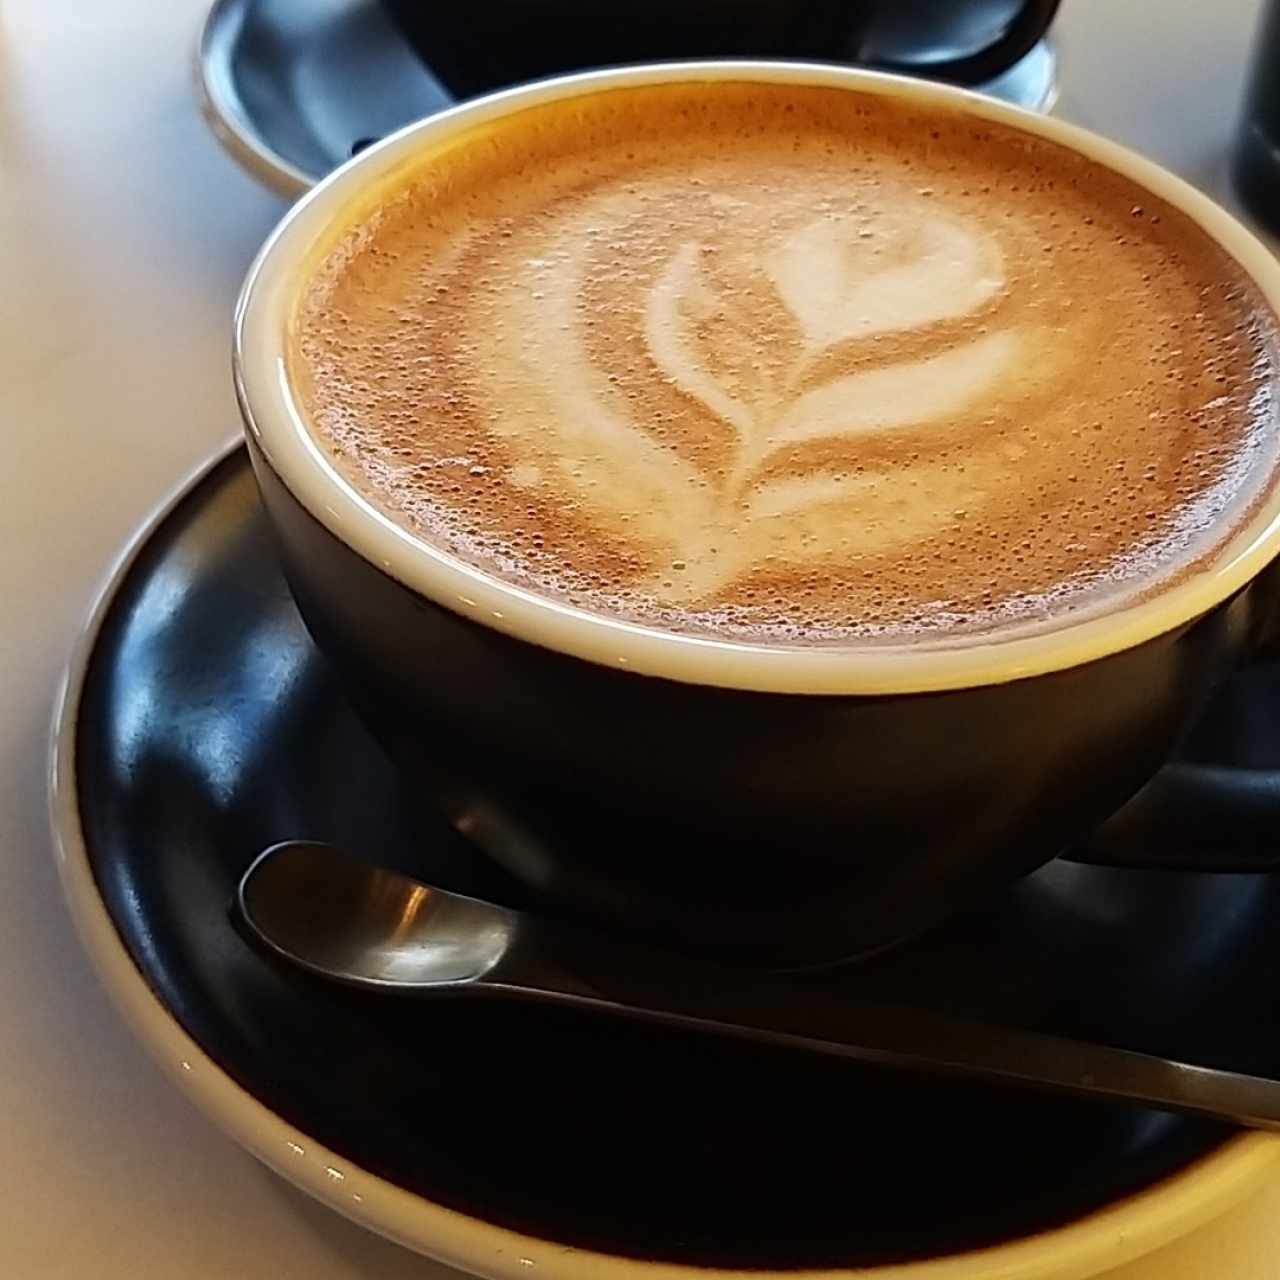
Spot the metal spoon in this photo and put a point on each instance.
(370, 927)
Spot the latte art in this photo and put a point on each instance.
(786, 363)
(770, 347)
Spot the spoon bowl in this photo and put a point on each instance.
(366, 925)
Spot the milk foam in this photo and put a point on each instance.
(793, 363)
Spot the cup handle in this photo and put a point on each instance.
(1194, 817)
(1201, 815)
(1019, 36)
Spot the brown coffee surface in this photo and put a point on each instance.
(791, 364)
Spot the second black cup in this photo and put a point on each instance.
(476, 48)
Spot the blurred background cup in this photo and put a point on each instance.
(1256, 161)
(476, 47)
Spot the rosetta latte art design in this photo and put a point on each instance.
(829, 286)
(792, 366)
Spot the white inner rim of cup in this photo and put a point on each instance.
(274, 284)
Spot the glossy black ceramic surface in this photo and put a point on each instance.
(210, 726)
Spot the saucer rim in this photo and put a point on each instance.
(1119, 1232)
(223, 112)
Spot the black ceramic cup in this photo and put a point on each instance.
(790, 805)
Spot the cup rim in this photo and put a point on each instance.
(276, 424)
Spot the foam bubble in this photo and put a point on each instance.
(766, 335)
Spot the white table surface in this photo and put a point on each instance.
(124, 232)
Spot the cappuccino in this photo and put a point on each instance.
(790, 364)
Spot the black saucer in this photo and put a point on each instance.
(209, 727)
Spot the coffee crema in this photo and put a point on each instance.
(791, 364)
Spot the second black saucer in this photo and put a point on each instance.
(293, 88)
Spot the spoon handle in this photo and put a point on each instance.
(375, 928)
(544, 964)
